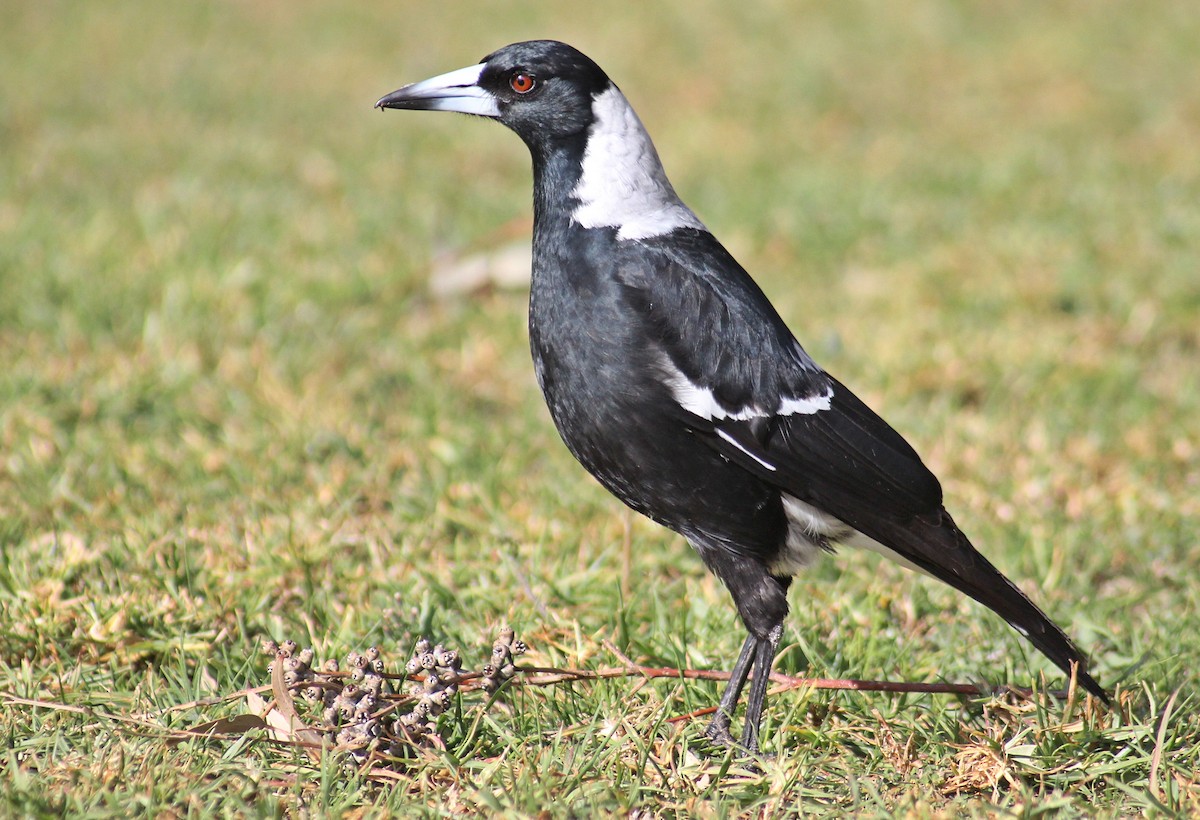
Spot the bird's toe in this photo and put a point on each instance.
(718, 734)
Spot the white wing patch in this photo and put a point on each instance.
(725, 435)
(805, 406)
(701, 401)
(623, 184)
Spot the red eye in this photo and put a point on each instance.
(521, 82)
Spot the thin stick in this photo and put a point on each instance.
(546, 676)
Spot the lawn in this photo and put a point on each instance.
(235, 403)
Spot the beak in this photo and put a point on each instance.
(456, 91)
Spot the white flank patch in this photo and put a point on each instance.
(809, 531)
(623, 184)
(809, 528)
(700, 400)
(862, 542)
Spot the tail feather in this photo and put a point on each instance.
(935, 544)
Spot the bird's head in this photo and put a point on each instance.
(542, 89)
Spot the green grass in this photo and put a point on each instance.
(229, 407)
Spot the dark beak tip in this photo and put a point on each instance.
(388, 100)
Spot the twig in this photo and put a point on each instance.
(546, 676)
(621, 656)
(209, 701)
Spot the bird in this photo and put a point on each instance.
(674, 381)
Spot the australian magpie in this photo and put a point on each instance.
(674, 381)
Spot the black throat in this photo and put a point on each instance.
(557, 168)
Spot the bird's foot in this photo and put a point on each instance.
(722, 740)
(718, 734)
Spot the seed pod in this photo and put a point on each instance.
(422, 646)
(269, 647)
(350, 735)
(289, 646)
(306, 656)
(365, 706)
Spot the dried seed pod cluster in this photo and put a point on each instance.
(297, 666)
(361, 710)
(501, 668)
(350, 700)
(356, 710)
(435, 671)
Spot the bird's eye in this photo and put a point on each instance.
(521, 82)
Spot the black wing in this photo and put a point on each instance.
(719, 336)
(751, 392)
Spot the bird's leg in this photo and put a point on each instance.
(718, 728)
(764, 655)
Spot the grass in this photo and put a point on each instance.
(229, 406)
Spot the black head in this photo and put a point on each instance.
(542, 89)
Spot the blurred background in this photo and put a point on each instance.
(205, 228)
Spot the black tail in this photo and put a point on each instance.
(936, 545)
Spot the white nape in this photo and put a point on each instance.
(623, 184)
